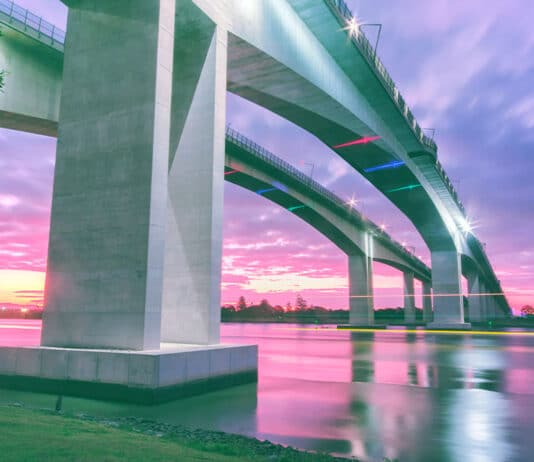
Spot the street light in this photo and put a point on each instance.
(311, 171)
(432, 130)
(377, 35)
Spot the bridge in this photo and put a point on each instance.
(136, 95)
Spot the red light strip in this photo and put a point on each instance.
(231, 171)
(364, 140)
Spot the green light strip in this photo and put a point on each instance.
(296, 207)
(404, 188)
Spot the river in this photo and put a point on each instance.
(373, 395)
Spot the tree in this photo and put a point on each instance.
(527, 310)
(241, 304)
(300, 303)
(265, 305)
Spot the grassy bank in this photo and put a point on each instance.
(32, 435)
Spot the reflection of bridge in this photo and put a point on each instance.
(137, 207)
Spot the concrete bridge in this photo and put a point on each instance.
(252, 167)
(137, 99)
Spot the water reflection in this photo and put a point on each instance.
(401, 395)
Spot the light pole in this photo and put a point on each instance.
(377, 35)
(432, 130)
(311, 171)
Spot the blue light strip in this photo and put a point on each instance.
(261, 191)
(393, 164)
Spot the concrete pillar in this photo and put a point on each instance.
(191, 296)
(409, 298)
(491, 309)
(361, 286)
(476, 304)
(107, 233)
(427, 302)
(447, 290)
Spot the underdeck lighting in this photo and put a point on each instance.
(404, 188)
(296, 207)
(280, 186)
(262, 191)
(364, 140)
(393, 164)
(230, 172)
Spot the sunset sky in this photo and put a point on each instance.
(465, 68)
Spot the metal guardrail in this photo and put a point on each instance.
(269, 158)
(365, 47)
(18, 16)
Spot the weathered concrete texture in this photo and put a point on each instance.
(446, 283)
(427, 302)
(173, 365)
(193, 251)
(409, 298)
(105, 262)
(361, 286)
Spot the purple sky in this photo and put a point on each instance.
(464, 67)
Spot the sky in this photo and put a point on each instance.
(464, 67)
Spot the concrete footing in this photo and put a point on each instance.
(146, 377)
(361, 326)
(448, 326)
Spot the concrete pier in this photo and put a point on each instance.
(193, 250)
(428, 314)
(447, 288)
(409, 298)
(361, 286)
(476, 303)
(137, 210)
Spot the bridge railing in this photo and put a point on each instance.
(367, 50)
(271, 159)
(25, 20)
(372, 58)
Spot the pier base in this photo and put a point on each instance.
(145, 377)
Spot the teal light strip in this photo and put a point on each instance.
(404, 188)
(296, 207)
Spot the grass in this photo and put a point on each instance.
(31, 435)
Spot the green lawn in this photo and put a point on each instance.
(28, 435)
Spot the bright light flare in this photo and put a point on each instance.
(364, 140)
(353, 27)
(466, 225)
(353, 202)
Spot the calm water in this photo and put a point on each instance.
(414, 397)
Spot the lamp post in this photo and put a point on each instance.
(377, 35)
(311, 171)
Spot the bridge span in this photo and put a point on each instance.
(136, 93)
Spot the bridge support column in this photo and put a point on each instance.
(121, 233)
(447, 288)
(193, 252)
(490, 307)
(409, 298)
(427, 302)
(107, 232)
(361, 286)
(476, 299)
